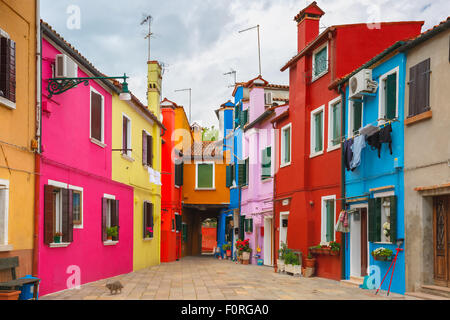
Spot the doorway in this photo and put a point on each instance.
(268, 240)
(441, 234)
(359, 251)
(283, 227)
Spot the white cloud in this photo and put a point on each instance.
(199, 39)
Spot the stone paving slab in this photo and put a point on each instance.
(206, 278)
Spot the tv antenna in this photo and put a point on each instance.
(148, 19)
(232, 72)
(259, 44)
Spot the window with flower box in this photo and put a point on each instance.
(148, 220)
(383, 219)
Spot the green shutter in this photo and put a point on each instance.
(266, 163)
(391, 96)
(179, 174)
(247, 172)
(357, 115)
(287, 145)
(319, 133)
(233, 173)
(241, 227)
(250, 224)
(241, 174)
(336, 123)
(330, 220)
(228, 177)
(393, 218)
(205, 175)
(372, 220)
(245, 116)
(184, 232)
(378, 219)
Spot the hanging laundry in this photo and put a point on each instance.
(382, 136)
(369, 130)
(151, 172)
(358, 145)
(348, 154)
(342, 223)
(158, 178)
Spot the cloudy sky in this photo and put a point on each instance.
(198, 40)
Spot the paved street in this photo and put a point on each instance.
(205, 278)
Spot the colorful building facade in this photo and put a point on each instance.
(427, 171)
(257, 170)
(135, 134)
(19, 134)
(78, 197)
(374, 188)
(177, 138)
(309, 204)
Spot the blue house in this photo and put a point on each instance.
(225, 228)
(374, 183)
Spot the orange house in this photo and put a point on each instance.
(204, 189)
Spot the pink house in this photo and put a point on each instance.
(77, 196)
(266, 102)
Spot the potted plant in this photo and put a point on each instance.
(111, 233)
(227, 248)
(382, 254)
(292, 263)
(57, 238)
(335, 248)
(310, 261)
(9, 294)
(148, 233)
(280, 260)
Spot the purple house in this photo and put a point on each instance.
(266, 102)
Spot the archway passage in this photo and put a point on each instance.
(195, 219)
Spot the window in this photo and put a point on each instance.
(126, 136)
(58, 214)
(248, 225)
(185, 232)
(243, 117)
(77, 207)
(328, 218)
(383, 219)
(266, 163)
(147, 149)
(205, 175)
(148, 220)
(178, 222)
(286, 145)
(355, 116)
(179, 168)
(4, 212)
(230, 176)
(334, 124)
(419, 88)
(97, 115)
(110, 216)
(317, 131)
(320, 61)
(388, 95)
(7, 70)
(243, 172)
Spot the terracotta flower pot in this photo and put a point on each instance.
(310, 263)
(246, 255)
(228, 253)
(9, 294)
(245, 261)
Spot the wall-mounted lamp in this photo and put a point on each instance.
(311, 203)
(60, 85)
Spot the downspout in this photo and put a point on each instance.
(342, 177)
(39, 142)
(274, 262)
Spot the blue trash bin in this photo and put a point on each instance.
(27, 289)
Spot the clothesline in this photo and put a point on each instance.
(344, 137)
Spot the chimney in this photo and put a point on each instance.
(154, 87)
(308, 24)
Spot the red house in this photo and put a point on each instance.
(172, 228)
(307, 207)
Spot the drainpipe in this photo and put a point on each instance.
(38, 136)
(275, 266)
(343, 104)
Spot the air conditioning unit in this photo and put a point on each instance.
(362, 82)
(65, 67)
(268, 98)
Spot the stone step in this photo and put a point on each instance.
(354, 282)
(424, 296)
(436, 290)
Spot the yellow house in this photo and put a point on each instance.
(18, 133)
(136, 161)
